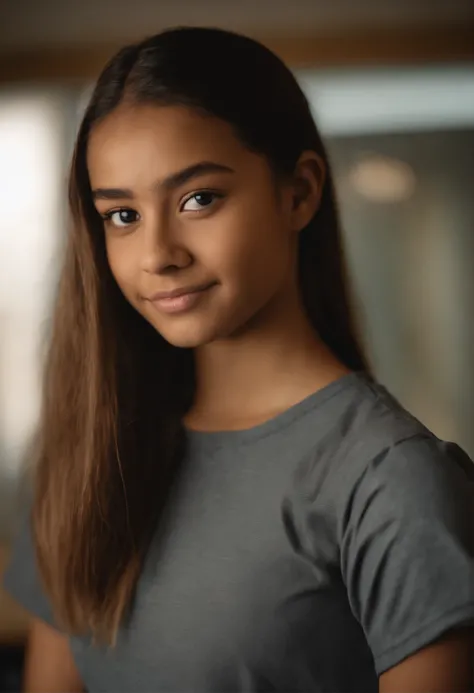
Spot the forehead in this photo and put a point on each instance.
(157, 140)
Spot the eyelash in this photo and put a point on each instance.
(215, 196)
(107, 216)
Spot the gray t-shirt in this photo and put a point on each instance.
(310, 553)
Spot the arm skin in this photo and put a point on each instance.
(446, 666)
(49, 665)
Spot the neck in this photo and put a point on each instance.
(271, 365)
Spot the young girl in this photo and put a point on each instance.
(224, 498)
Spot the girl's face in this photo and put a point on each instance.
(200, 238)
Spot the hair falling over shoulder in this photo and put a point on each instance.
(114, 391)
(107, 436)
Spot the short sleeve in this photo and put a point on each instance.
(407, 547)
(21, 578)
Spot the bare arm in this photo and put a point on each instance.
(446, 666)
(49, 665)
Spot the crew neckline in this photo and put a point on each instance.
(276, 423)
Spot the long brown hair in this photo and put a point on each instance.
(115, 392)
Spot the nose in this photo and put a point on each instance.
(162, 252)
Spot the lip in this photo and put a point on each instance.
(160, 295)
(179, 300)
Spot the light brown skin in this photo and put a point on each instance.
(256, 354)
(49, 664)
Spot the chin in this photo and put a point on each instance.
(194, 330)
(190, 337)
(185, 342)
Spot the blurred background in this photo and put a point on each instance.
(391, 83)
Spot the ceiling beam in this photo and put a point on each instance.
(399, 46)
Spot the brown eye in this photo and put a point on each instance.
(199, 201)
(121, 217)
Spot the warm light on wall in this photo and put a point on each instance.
(382, 179)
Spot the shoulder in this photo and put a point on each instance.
(400, 504)
(388, 452)
(376, 445)
(375, 452)
(371, 440)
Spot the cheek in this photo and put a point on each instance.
(250, 236)
(121, 265)
(260, 255)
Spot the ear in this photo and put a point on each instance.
(308, 183)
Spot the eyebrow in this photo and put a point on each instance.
(174, 180)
